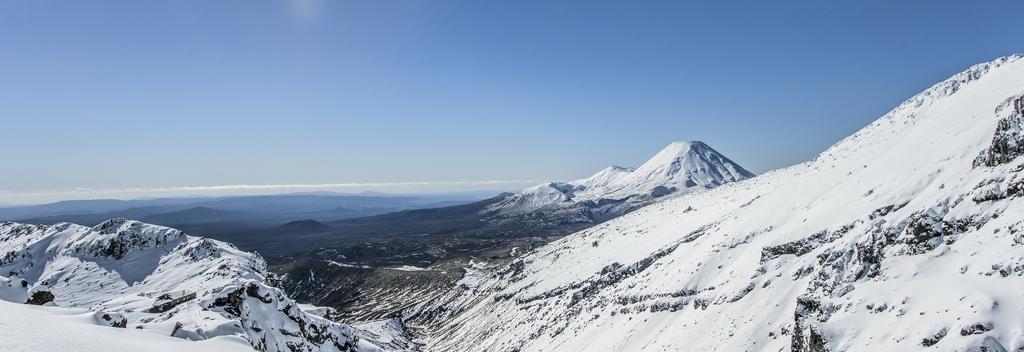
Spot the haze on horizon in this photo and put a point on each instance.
(187, 97)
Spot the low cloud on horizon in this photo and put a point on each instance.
(46, 196)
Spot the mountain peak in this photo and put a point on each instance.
(678, 149)
(688, 164)
(681, 166)
(686, 144)
(615, 168)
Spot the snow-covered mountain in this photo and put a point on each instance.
(681, 167)
(160, 280)
(906, 236)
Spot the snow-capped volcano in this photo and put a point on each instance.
(680, 167)
(161, 280)
(906, 236)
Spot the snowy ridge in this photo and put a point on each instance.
(680, 167)
(160, 280)
(906, 236)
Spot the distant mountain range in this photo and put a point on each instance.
(269, 209)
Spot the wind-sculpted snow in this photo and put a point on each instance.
(158, 279)
(679, 168)
(908, 235)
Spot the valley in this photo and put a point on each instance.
(354, 265)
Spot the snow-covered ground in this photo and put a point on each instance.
(409, 268)
(147, 278)
(346, 265)
(25, 328)
(908, 235)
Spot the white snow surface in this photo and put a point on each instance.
(681, 166)
(409, 268)
(25, 328)
(894, 239)
(120, 268)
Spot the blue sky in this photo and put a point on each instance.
(108, 95)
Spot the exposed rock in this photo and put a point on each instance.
(115, 320)
(934, 338)
(806, 337)
(40, 298)
(1008, 142)
(976, 328)
(313, 333)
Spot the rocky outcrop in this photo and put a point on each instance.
(40, 298)
(286, 327)
(806, 337)
(1008, 142)
(115, 320)
(120, 236)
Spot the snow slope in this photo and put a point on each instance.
(679, 167)
(25, 328)
(120, 270)
(906, 236)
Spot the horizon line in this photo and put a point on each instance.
(242, 189)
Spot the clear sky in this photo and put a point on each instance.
(108, 95)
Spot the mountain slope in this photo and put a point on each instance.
(680, 167)
(154, 278)
(30, 328)
(905, 236)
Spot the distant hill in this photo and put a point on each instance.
(199, 215)
(269, 209)
(305, 226)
